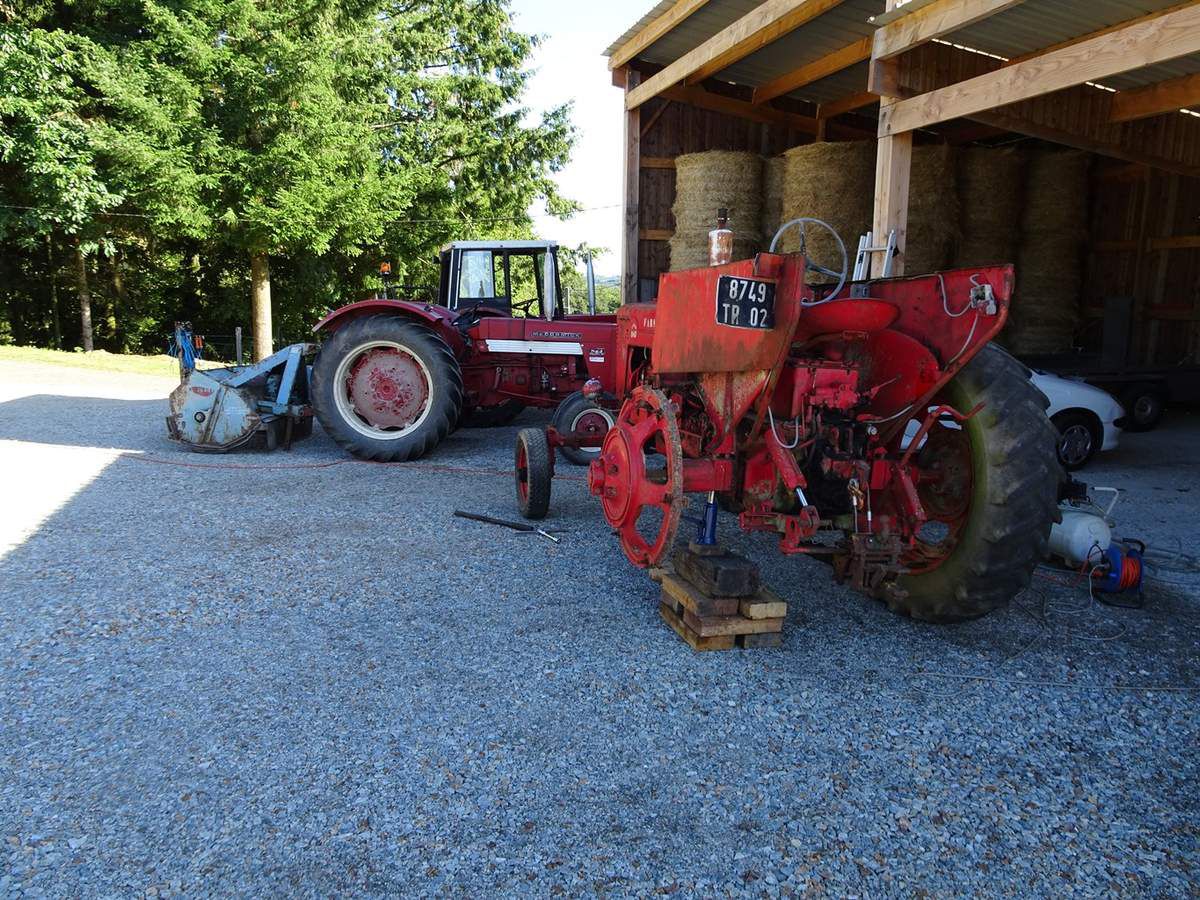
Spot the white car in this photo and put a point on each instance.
(1085, 417)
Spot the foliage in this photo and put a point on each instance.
(173, 138)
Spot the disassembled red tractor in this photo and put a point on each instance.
(869, 424)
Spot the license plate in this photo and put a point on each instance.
(745, 302)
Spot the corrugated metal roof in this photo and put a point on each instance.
(1025, 28)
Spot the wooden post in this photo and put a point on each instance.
(260, 305)
(893, 161)
(633, 164)
(893, 158)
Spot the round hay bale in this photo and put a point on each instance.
(1045, 310)
(991, 193)
(705, 183)
(932, 210)
(834, 182)
(772, 198)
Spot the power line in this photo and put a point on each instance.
(470, 220)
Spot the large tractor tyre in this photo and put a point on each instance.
(534, 473)
(386, 388)
(1000, 524)
(492, 416)
(577, 413)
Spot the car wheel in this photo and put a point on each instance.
(1079, 438)
(1143, 408)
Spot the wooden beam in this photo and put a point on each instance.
(658, 162)
(653, 31)
(1144, 43)
(1171, 95)
(1108, 29)
(1015, 123)
(1180, 242)
(933, 20)
(827, 65)
(649, 121)
(765, 23)
(846, 104)
(656, 234)
(731, 106)
(630, 242)
(893, 163)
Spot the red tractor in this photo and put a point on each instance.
(868, 424)
(394, 377)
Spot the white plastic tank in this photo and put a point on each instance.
(1080, 537)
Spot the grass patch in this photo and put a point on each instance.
(99, 360)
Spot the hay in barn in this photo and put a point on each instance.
(834, 182)
(772, 198)
(932, 210)
(991, 193)
(705, 183)
(1045, 310)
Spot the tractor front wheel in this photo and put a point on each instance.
(991, 487)
(578, 414)
(386, 389)
(534, 473)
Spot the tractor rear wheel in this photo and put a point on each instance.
(992, 486)
(386, 388)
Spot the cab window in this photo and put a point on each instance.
(525, 280)
(481, 279)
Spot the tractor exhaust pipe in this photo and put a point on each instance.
(720, 241)
(591, 284)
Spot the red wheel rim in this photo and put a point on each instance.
(628, 488)
(386, 389)
(946, 484)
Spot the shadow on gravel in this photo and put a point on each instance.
(84, 421)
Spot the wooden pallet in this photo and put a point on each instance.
(721, 623)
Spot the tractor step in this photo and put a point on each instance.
(708, 621)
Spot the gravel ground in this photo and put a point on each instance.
(294, 673)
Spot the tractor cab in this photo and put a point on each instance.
(510, 278)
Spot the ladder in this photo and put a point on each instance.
(862, 260)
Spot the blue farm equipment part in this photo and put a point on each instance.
(216, 410)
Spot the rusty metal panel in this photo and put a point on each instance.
(688, 338)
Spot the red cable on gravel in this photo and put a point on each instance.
(423, 467)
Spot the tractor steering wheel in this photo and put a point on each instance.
(811, 266)
(524, 305)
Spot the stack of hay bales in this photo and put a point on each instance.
(705, 183)
(932, 210)
(1045, 309)
(992, 184)
(772, 201)
(834, 182)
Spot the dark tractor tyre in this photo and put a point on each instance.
(1144, 406)
(534, 473)
(1080, 436)
(578, 412)
(492, 416)
(386, 388)
(1010, 492)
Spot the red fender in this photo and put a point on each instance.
(438, 318)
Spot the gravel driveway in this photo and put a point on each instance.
(295, 673)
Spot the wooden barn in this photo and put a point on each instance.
(1094, 104)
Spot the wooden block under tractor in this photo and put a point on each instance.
(657, 572)
(714, 626)
(760, 641)
(724, 642)
(766, 605)
(696, 602)
(724, 575)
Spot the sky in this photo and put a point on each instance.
(569, 66)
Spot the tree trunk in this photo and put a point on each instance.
(52, 277)
(260, 305)
(85, 298)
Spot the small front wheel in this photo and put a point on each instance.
(535, 470)
(579, 415)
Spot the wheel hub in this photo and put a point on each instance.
(388, 388)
